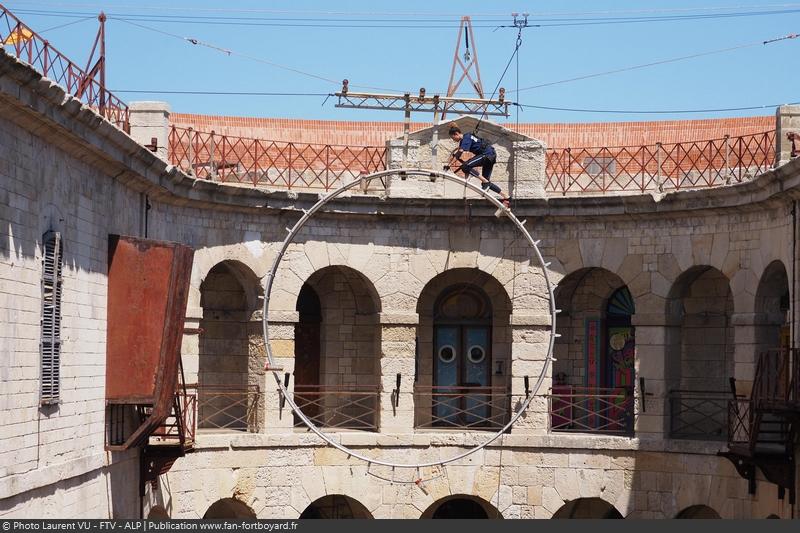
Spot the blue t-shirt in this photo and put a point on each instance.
(475, 145)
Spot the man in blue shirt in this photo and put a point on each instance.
(483, 155)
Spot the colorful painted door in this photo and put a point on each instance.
(462, 363)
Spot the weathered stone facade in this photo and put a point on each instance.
(706, 270)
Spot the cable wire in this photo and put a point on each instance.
(660, 62)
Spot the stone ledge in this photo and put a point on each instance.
(549, 442)
(17, 484)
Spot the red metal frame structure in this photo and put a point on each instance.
(676, 166)
(233, 159)
(340, 407)
(86, 84)
(592, 410)
(602, 170)
(462, 407)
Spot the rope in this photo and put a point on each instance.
(497, 86)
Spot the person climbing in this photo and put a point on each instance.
(483, 155)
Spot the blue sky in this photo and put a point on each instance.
(406, 58)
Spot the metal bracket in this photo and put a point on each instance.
(396, 391)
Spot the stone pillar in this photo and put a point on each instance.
(151, 120)
(745, 348)
(652, 343)
(281, 334)
(787, 119)
(398, 350)
(530, 336)
(529, 169)
(410, 186)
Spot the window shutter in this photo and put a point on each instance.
(50, 344)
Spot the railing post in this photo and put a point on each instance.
(289, 169)
(659, 161)
(568, 172)
(727, 159)
(212, 167)
(190, 170)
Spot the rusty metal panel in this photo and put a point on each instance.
(148, 289)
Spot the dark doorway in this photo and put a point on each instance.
(307, 347)
(460, 508)
(335, 506)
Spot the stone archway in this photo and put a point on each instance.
(463, 356)
(698, 512)
(229, 508)
(461, 506)
(337, 350)
(700, 349)
(594, 370)
(231, 357)
(588, 508)
(771, 307)
(335, 506)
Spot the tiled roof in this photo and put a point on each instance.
(355, 133)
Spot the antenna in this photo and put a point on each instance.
(467, 63)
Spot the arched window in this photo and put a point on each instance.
(620, 340)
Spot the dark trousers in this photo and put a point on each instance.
(486, 162)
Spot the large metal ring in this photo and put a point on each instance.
(366, 180)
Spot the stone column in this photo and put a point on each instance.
(151, 120)
(787, 119)
(398, 343)
(530, 335)
(652, 343)
(745, 348)
(529, 169)
(281, 334)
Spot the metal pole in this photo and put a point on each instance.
(659, 155)
(102, 61)
(212, 167)
(191, 152)
(727, 159)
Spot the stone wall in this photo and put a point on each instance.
(82, 177)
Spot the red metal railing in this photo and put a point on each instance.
(227, 407)
(257, 162)
(676, 166)
(20, 40)
(340, 407)
(474, 408)
(592, 410)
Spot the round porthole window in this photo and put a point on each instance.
(476, 354)
(447, 354)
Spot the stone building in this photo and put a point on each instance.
(407, 320)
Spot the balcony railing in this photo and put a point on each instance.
(699, 414)
(591, 410)
(474, 408)
(21, 41)
(256, 162)
(660, 167)
(228, 407)
(338, 407)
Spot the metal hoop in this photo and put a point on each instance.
(292, 232)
